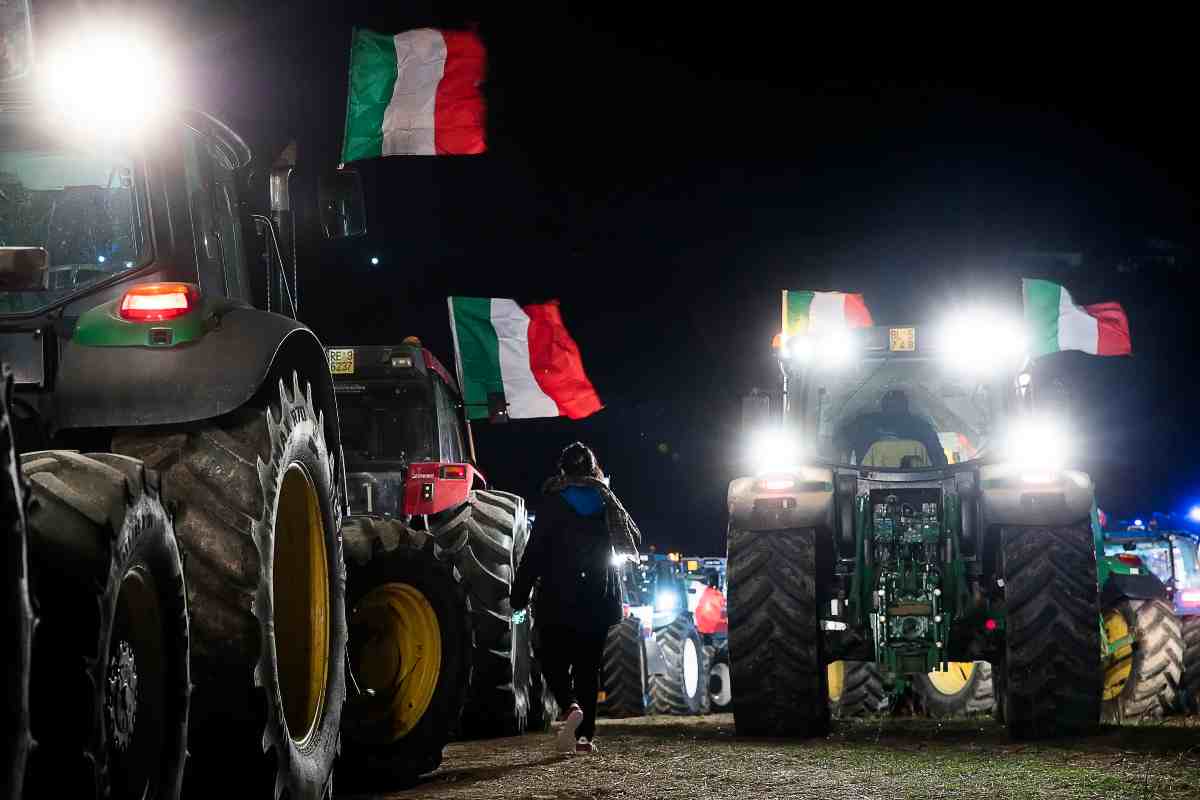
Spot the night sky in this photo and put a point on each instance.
(665, 175)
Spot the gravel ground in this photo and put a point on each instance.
(676, 758)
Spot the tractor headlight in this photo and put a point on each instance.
(1038, 447)
(980, 340)
(774, 451)
(666, 601)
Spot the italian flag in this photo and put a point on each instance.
(520, 355)
(415, 93)
(809, 312)
(1055, 323)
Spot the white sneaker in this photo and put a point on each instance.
(585, 746)
(565, 739)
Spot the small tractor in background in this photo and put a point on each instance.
(1167, 563)
(655, 659)
(910, 510)
(706, 603)
(431, 553)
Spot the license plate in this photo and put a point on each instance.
(902, 340)
(341, 362)
(601, 696)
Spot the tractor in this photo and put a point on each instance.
(178, 428)
(655, 660)
(706, 603)
(1164, 628)
(909, 509)
(431, 553)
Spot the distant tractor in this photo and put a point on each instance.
(431, 552)
(706, 602)
(654, 659)
(1154, 637)
(910, 510)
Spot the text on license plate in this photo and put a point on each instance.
(902, 339)
(341, 362)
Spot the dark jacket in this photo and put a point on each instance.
(569, 558)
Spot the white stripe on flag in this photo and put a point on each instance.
(828, 310)
(408, 123)
(525, 398)
(1076, 329)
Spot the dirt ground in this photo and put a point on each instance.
(676, 758)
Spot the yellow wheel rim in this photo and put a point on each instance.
(836, 673)
(300, 581)
(954, 679)
(1120, 663)
(397, 653)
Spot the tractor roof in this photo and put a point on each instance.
(406, 360)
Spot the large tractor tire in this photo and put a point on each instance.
(109, 692)
(257, 518)
(1051, 679)
(855, 689)
(720, 687)
(17, 636)
(480, 540)
(683, 689)
(623, 671)
(1191, 664)
(961, 691)
(543, 708)
(1141, 680)
(409, 654)
(775, 645)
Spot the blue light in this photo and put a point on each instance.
(1137, 522)
(102, 259)
(374, 261)
(1194, 514)
(666, 601)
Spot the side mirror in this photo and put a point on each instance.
(24, 269)
(342, 207)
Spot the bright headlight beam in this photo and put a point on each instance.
(774, 450)
(1038, 445)
(111, 81)
(980, 340)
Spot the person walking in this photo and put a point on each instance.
(580, 526)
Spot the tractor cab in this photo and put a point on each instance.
(1171, 556)
(406, 442)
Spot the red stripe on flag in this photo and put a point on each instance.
(857, 315)
(458, 111)
(1112, 328)
(556, 364)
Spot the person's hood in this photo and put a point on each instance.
(584, 500)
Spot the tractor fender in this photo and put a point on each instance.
(127, 387)
(807, 503)
(1144, 586)
(655, 663)
(1012, 496)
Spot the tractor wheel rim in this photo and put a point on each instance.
(300, 584)
(691, 668)
(836, 675)
(723, 695)
(135, 688)
(954, 679)
(1119, 665)
(396, 657)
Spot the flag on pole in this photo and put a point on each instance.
(1055, 323)
(815, 312)
(415, 93)
(519, 356)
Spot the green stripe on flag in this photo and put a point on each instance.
(1042, 310)
(797, 310)
(372, 79)
(478, 353)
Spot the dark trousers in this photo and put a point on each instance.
(571, 665)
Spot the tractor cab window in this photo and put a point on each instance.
(86, 208)
(896, 414)
(450, 436)
(216, 223)
(391, 422)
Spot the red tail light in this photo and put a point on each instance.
(1130, 559)
(989, 625)
(155, 302)
(454, 472)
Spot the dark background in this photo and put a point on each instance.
(666, 173)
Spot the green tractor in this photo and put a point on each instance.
(431, 552)
(908, 510)
(178, 428)
(1151, 622)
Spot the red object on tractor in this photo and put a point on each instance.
(710, 614)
